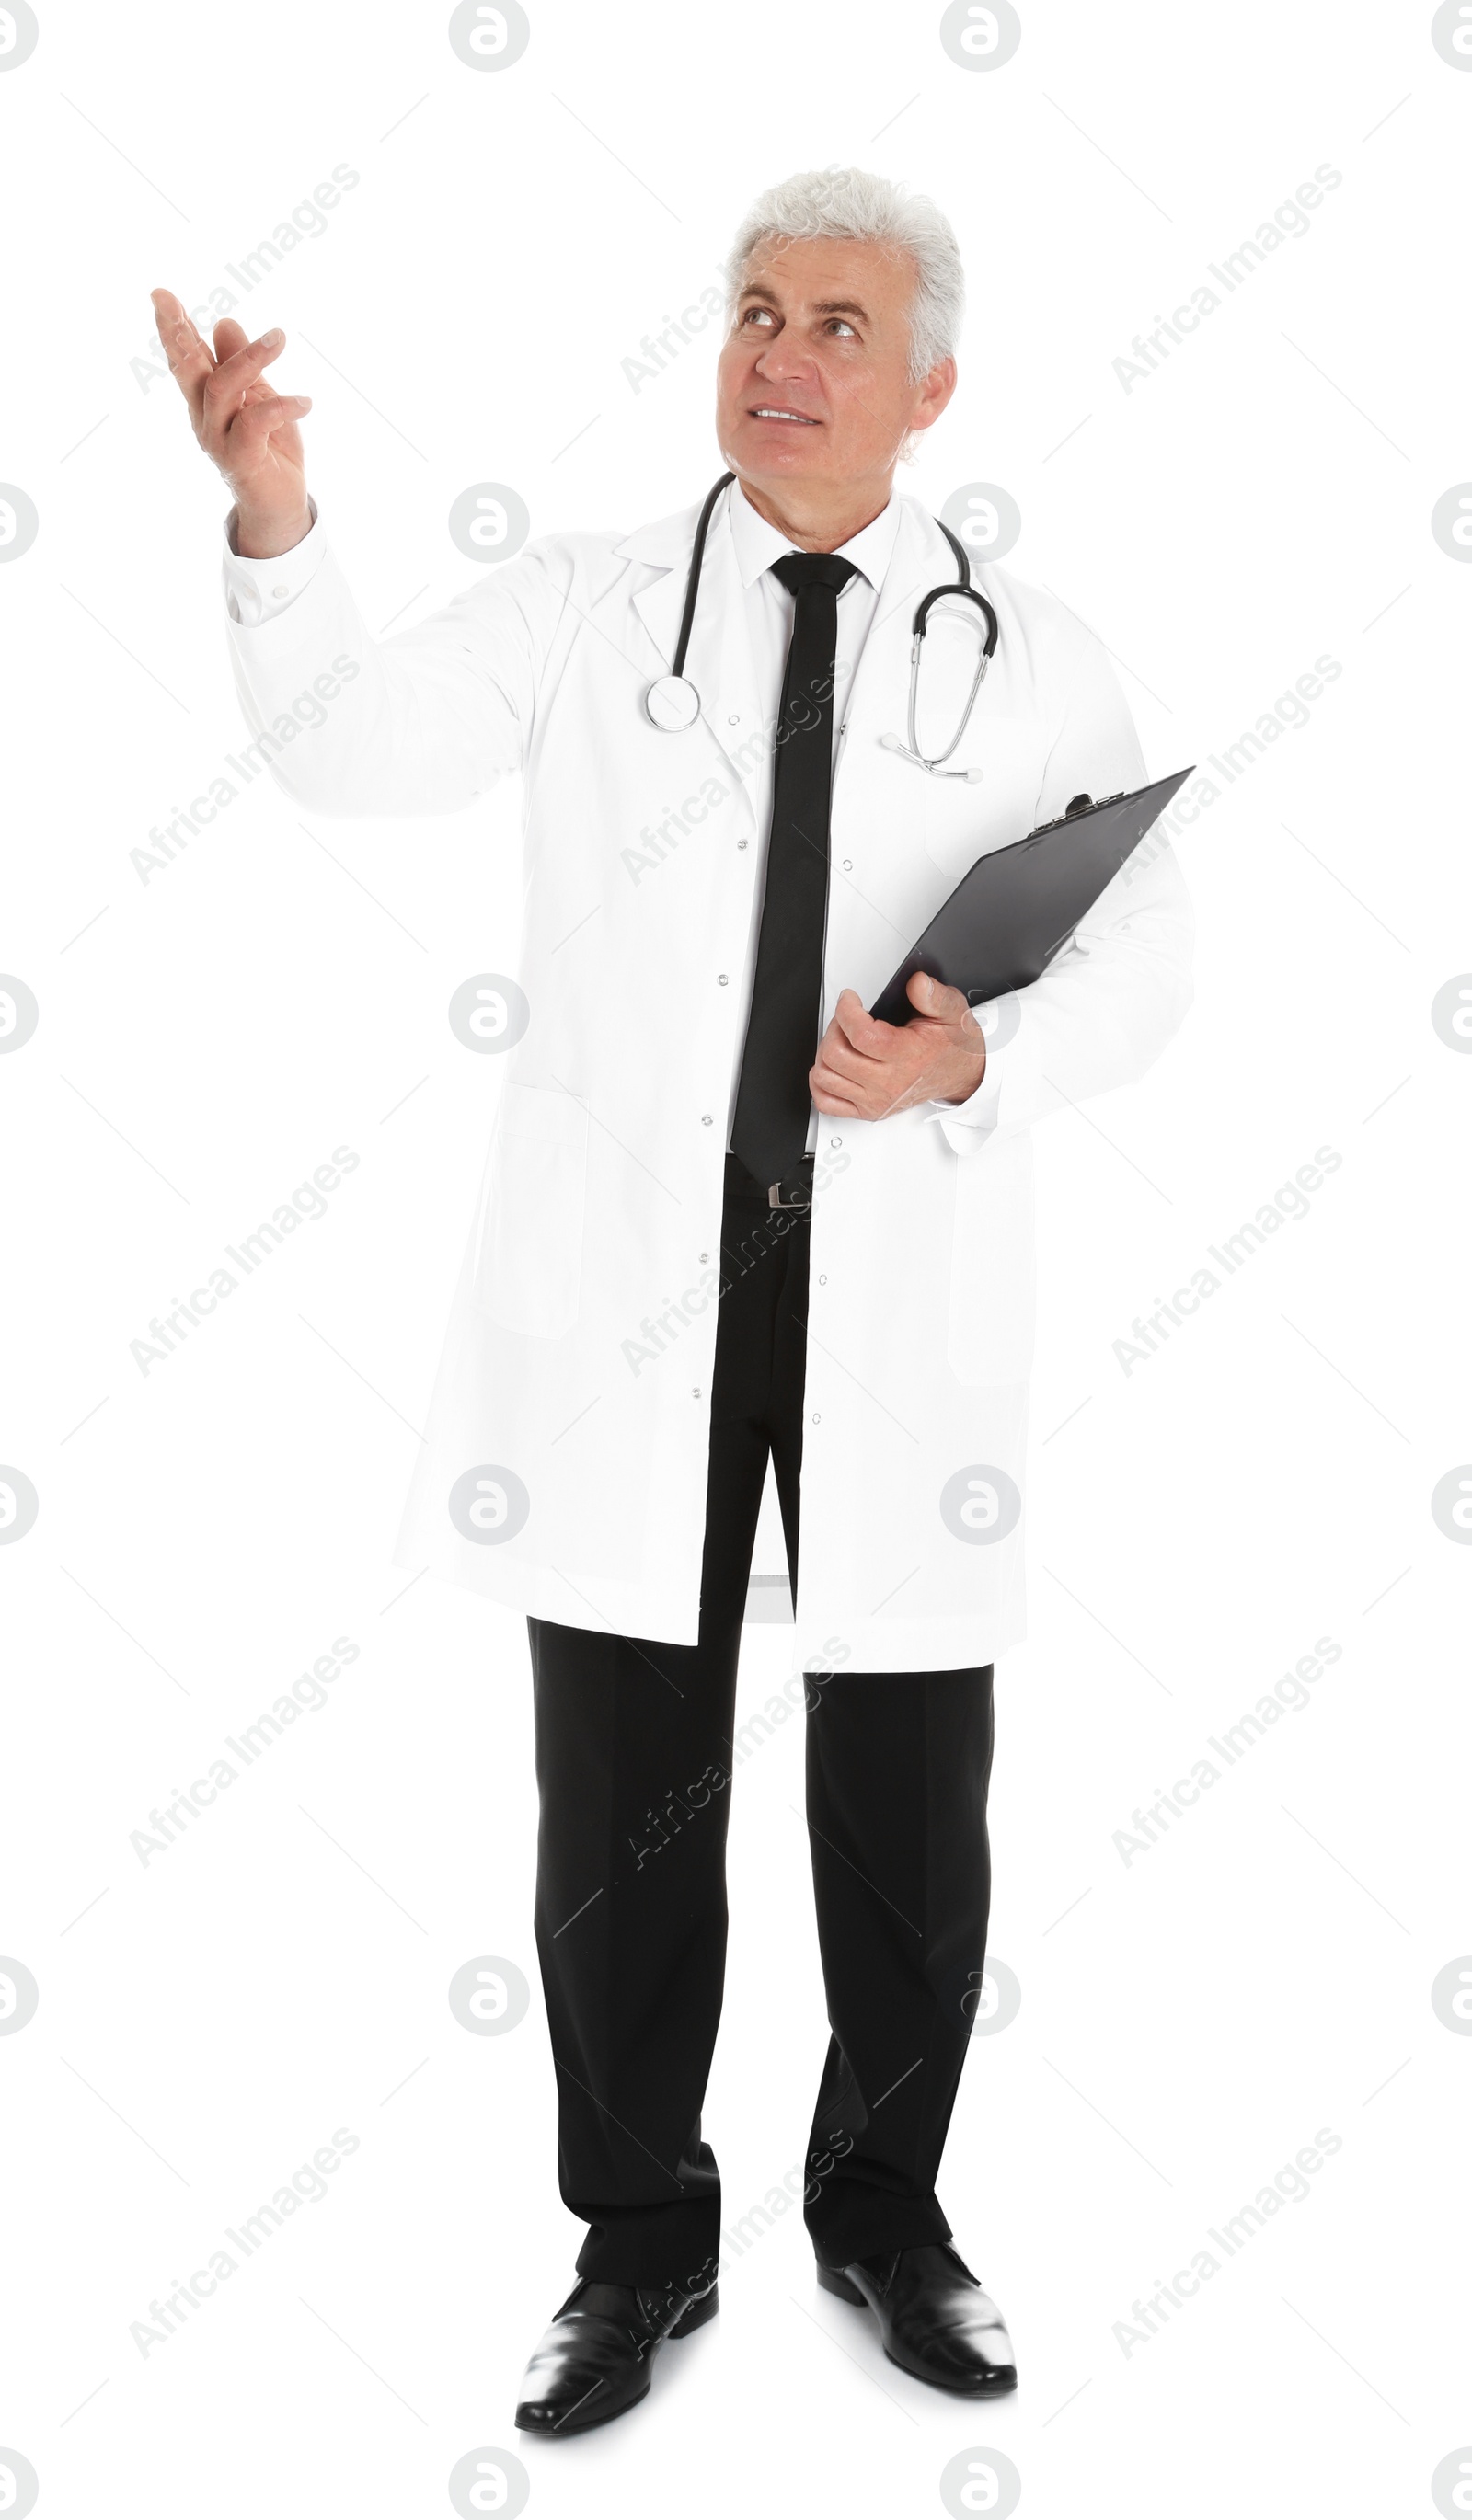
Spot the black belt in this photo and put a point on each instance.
(793, 1191)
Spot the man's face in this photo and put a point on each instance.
(814, 385)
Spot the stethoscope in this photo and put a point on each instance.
(672, 703)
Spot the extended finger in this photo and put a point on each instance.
(191, 362)
(260, 418)
(226, 390)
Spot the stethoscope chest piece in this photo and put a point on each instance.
(671, 703)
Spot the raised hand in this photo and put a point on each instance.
(244, 425)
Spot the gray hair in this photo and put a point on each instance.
(845, 201)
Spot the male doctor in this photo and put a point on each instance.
(727, 1215)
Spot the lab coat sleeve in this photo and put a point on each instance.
(418, 723)
(257, 588)
(1102, 1013)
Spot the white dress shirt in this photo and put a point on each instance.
(256, 589)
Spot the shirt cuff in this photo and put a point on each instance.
(979, 1110)
(256, 589)
(967, 1125)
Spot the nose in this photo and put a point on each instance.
(784, 364)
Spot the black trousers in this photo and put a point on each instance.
(634, 1762)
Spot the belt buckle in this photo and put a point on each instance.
(797, 1201)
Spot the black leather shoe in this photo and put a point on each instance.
(594, 2361)
(934, 2318)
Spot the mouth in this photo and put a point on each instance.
(779, 412)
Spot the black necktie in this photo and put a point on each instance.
(772, 1101)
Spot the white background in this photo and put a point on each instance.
(1190, 2019)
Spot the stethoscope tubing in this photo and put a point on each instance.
(972, 595)
(692, 575)
(963, 587)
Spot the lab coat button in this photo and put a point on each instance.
(721, 976)
(279, 591)
(705, 1119)
(741, 844)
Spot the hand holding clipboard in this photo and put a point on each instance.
(1017, 906)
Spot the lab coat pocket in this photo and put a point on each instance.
(528, 1263)
(992, 1278)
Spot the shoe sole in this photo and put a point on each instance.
(695, 2316)
(706, 2306)
(830, 2280)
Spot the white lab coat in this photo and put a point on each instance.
(578, 1354)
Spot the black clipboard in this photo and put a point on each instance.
(1017, 907)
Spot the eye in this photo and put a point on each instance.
(841, 324)
(758, 315)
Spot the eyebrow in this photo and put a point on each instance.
(823, 305)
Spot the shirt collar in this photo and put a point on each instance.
(758, 543)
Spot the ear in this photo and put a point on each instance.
(932, 394)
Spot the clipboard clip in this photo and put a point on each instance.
(1083, 804)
